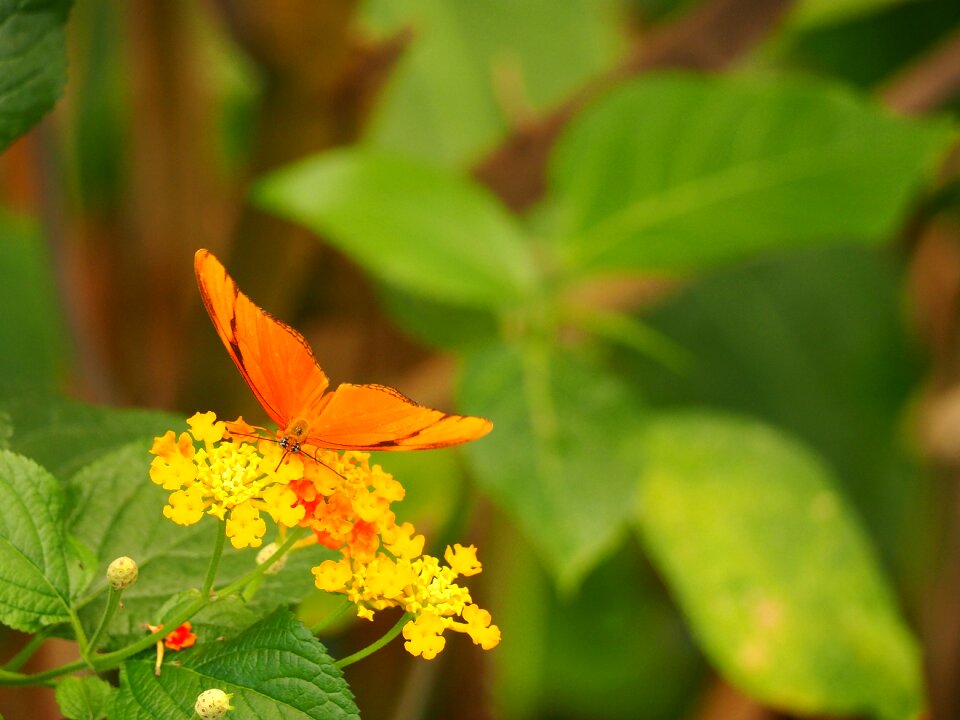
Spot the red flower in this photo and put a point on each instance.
(180, 638)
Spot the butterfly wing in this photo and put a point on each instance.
(374, 417)
(273, 358)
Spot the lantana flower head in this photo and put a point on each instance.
(235, 477)
(422, 587)
(227, 470)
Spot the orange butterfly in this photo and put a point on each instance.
(279, 367)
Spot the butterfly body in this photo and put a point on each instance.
(279, 366)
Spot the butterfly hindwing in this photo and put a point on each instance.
(375, 417)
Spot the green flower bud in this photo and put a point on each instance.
(122, 573)
(213, 704)
(266, 552)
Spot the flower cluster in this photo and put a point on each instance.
(422, 587)
(227, 470)
(347, 503)
(233, 478)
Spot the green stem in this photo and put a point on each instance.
(214, 561)
(374, 646)
(233, 587)
(113, 602)
(108, 661)
(78, 631)
(26, 652)
(331, 618)
(14, 678)
(250, 590)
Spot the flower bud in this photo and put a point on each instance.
(266, 552)
(122, 573)
(213, 704)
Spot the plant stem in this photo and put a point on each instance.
(338, 613)
(26, 652)
(376, 645)
(78, 631)
(233, 587)
(113, 602)
(214, 560)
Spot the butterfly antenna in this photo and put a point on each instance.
(321, 462)
(282, 458)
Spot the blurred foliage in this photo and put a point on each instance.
(696, 338)
(34, 63)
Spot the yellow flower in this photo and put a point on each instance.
(401, 541)
(185, 507)
(245, 527)
(421, 586)
(206, 428)
(332, 575)
(279, 501)
(233, 479)
(479, 628)
(424, 636)
(463, 560)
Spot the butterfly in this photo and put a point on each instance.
(280, 368)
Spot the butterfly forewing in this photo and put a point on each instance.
(273, 358)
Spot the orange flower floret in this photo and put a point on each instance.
(346, 501)
(180, 638)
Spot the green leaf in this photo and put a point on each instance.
(561, 458)
(34, 62)
(64, 435)
(116, 510)
(435, 323)
(274, 669)
(82, 565)
(812, 341)
(674, 172)
(771, 569)
(34, 580)
(474, 69)
(32, 337)
(408, 224)
(633, 658)
(83, 698)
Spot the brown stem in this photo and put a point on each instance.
(710, 37)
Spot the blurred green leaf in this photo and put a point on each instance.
(474, 69)
(274, 669)
(867, 50)
(438, 324)
(774, 574)
(810, 13)
(116, 510)
(32, 337)
(83, 698)
(562, 456)
(63, 435)
(408, 224)
(812, 341)
(676, 171)
(616, 649)
(34, 62)
(34, 580)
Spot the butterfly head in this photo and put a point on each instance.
(292, 438)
